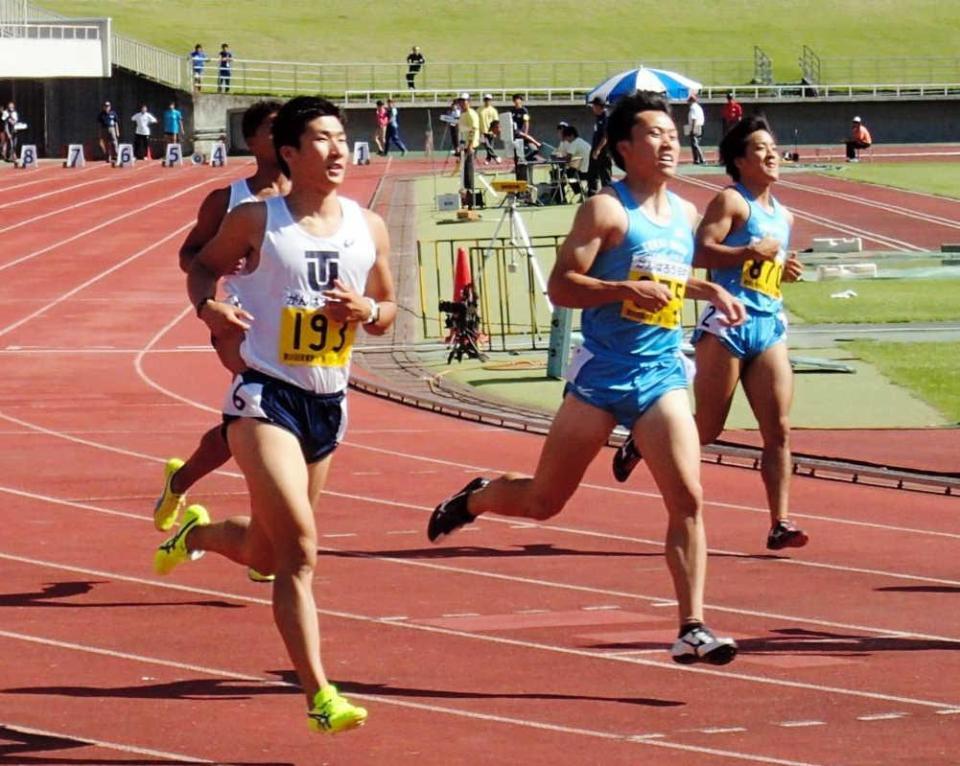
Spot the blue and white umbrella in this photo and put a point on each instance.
(675, 86)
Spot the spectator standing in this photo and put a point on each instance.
(860, 138)
(469, 129)
(520, 116)
(223, 73)
(488, 116)
(8, 133)
(380, 135)
(452, 119)
(415, 62)
(198, 60)
(694, 128)
(109, 122)
(393, 130)
(732, 114)
(172, 125)
(600, 172)
(141, 134)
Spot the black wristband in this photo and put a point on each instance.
(203, 302)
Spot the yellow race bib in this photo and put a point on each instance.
(763, 276)
(308, 337)
(670, 315)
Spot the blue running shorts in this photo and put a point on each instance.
(624, 388)
(752, 338)
(319, 421)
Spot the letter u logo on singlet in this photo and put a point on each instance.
(323, 268)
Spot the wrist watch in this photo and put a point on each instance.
(374, 311)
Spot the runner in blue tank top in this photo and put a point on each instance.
(626, 262)
(743, 239)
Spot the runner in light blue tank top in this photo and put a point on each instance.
(626, 263)
(743, 239)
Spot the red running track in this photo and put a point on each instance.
(516, 642)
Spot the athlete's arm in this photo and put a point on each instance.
(731, 309)
(239, 237)
(209, 217)
(727, 211)
(599, 224)
(348, 306)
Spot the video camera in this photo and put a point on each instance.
(463, 321)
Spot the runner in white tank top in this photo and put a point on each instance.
(317, 267)
(268, 180)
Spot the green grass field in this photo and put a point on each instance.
(570, 30)
(877, 301)
(932, 177)
(930, 370)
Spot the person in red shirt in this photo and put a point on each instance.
(860, 138)
(731, 114)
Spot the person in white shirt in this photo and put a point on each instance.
(695, 128)
(8, 132)
(141, 134)
(577, 153)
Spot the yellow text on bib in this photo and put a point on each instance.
(669, 316)
(762, 276)
(308, 337)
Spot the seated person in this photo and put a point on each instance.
(859, 139)
(576, 152)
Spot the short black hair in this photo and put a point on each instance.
(515, 96)
(569, 130)
(255, 115)
(292, 119)
(624, 115)
(734, 144)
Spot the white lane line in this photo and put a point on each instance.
(61, 190)
(656, 601)
(888, 207)
(83, 286)
(723, 730)
(800, 724)
(51, 177)
(165, 754)
(110, 222)
(881, 717)
(726, 674)
(642, 739)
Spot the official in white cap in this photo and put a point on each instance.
(860, 139)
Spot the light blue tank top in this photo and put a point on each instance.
(757, 283)
(649, 250)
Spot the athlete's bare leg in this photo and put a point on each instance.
(211, 453)
(280, 486)
(667, 436)
(768, 383)
(718, 372)
(578, 432)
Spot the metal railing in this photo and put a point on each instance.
(149, 61)
(34, 31)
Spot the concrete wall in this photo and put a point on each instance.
(63, 111)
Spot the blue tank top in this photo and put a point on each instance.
(757, 283)
(649, 250)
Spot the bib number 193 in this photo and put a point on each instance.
(310, 338)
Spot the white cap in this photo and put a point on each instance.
(487, 97)
(464, 96)
(857, 119)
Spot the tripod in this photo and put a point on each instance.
(519, 239)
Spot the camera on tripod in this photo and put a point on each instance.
(463, 322)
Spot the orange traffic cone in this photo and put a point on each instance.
(461, 274)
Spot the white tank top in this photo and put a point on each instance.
(290, 337)
(239, 194)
